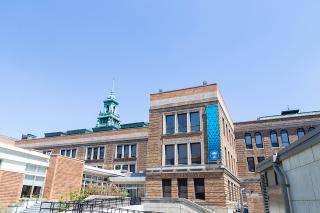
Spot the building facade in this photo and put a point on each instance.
(190, 148)
(262, 138)
(281, 177)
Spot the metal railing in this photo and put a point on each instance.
(110, 205)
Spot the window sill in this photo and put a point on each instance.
(124, 159)
(182, 134)
(94, 161)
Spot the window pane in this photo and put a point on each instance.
(63, 152)
(195, 121)
(166, 187)
(125, 167)
(133, 168)
(133, 151)
(195, 153)
(274, 139)
(251, 165)
(183, 188)
(89, 152)
(126, 151)
(284, 138)
(26, 191)
(101, 152)
(74, 152)
(182, 122)
(119, 151)
(117, 167)
(199, 189)
(311, 128)
(95, 153)
(182, 154)
(248, 141)
(36, 192)
(300, 133)
(170, 124)
(68, 153)
(260, 159)
(169, 152)
(258, 137)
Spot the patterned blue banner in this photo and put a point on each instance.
(212, 112)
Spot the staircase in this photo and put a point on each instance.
(265, 194)
(35, 208)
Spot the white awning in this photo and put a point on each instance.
(103, 172)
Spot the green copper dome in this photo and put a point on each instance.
(109, 116)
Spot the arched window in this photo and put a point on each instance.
(300, 133)
(258, 137)
(311, 128)
(274, 138)
(285, 138)
(248, 141)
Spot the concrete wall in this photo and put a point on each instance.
(303, 172)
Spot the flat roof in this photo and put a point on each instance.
(309, 140)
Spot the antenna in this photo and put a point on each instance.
(112, 90)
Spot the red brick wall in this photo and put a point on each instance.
(10, 187)
(64, 176)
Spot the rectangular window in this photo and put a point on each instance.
(260, 159)
(251, 166)
(169, 153)
(101, 153)
(95, 153)
(199, 188)
(182, 122)
(71, 153)
(89, 152)
(68, 152)
(195, 121)
(182, 154)
(26, 191)
(129, 151)
(133, 151)
(166, 187)
(117, 167)
(119, 151)
(132, 168)
(170, 124)
(195, 153)
(125, 167)
(126, 151)
(183, 188)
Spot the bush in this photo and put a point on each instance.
(106, 190)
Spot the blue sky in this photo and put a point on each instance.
(58, 58)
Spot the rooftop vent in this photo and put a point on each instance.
(204, 83)
(160, 90)
(290, 112)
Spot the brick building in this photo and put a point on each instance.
(261, 138)
(191, 148)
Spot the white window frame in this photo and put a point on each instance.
(122, 150)
(176, 127)
(65, 149)
(176, 153)
(98, 156)
(125, 164)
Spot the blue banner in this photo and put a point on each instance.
(213, 133)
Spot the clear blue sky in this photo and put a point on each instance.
(58, 58)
